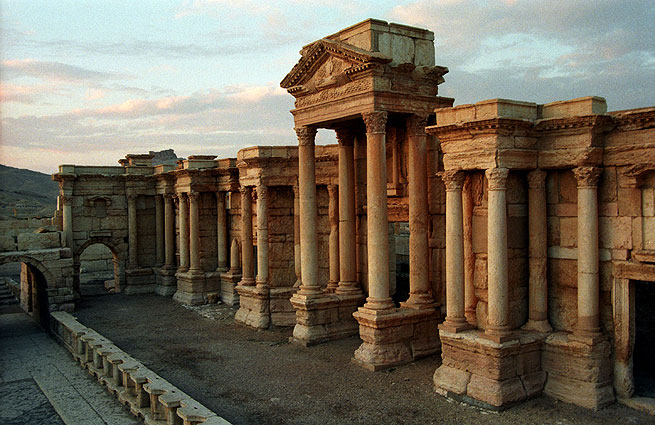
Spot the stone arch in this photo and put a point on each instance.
(119, 259)
(35, 296)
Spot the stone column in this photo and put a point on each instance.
(497, 280)
(221, 232)
(247, 269)
(184, 232)
(538, 250)
(588, 290)
(262, 234)
(470, 300)
(235, 257)
(169, 232)
(132, 231)
(67, 221)
(455, 307)
(347, 221)
(296, 235)
(308, 211)
(194, 233)
(376, 213)
(159, 229)
(333, 241)
(419, 282)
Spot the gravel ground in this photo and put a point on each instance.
(251, 377)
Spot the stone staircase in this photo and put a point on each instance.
(7, 296)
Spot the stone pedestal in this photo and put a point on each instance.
(254, 306)
(229, 281)
(139, 281)
(396, 336)
(193, 288)
(325, 318)
(166, 281)
(489, 374)
(282, 311)
(578, 372)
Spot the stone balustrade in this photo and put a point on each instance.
(146, 394)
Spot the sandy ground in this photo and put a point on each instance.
(252, 377)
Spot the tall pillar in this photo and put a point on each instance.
(247, 267)
(308, 211)
(296, 235)
(67, 224)
(455, 307)
(497, 278)
(538, 251)
(347, 221)
(333, 241)
(159, 230)
(419, 283)
(184, 232)
(194, 233)
(470, 300)
(221, 232)
(262, 234)
(588, 290)
(132, 231)
(376, 213)
(169, 232)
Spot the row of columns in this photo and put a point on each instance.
(498, 326)
(189, 231)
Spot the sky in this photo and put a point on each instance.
(86, 82)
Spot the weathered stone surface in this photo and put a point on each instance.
(449, 379)
(496, 393)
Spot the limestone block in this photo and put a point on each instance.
(577, 361)
(33, 241)
(568, 227)
(7, 244)
(592, 395)
(648, 201)
(450, 380)
(629, 201)
(563, 273)
(481, 312)
(553, 231)
(376, 357)
(568, 188)
(424, 55)
(615, 232)
(648, 236)
(533, 383)
(493, 364)
(480, 272)
(563, 309)
(496, 393)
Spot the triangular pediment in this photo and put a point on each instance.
(325, 61)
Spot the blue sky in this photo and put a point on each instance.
(86, 82)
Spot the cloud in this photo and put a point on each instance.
(54, 71)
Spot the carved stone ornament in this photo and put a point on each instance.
(452, 179)
(245, 191)
(497, 178)
(262, 191)
(416, 125)
(194, 196)
(537, 179)
(587, 176)
(306, 135)
(376, 122)
(345, 136)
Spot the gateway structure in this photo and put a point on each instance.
(531, 228)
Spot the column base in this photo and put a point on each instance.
(323, 318)
(194, 288)
(499, 334)
(166, 281)
(229, 281)
(395, 336)
(139, 281)
(254, 306)
(489, 375)
(455, 327)
(579, 372)
(419, 301)
(332, 287)
(282, 312)
(537, 326)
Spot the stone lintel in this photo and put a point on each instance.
(634, 271)
(570, 157)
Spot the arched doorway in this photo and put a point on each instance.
(98, 269)
(32, 287)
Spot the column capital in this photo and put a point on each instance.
(168, 196)
(587, 176)
(67, 200)
(333, 190)
(180, 196)
(376, 121)
(306, 135)
(193, 197)
(345, 136)
(262, 191)
(537, 179)
(416, 125)
(452, 179)
(497, 178)
(245, 190)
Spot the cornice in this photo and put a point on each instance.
(600, 122)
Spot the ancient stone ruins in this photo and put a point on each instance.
(528, 230)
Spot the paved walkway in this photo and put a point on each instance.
(41, 384)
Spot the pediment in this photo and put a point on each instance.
(328, 63)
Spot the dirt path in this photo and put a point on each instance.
(251, 377)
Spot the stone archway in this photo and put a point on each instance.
(119, 263)
(35, 280)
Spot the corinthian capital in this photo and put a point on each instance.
(537, 179)
(416, 125)
(452, 179)
(306, 135)
(345, 136)
(193, 197)
(587, 176)
(497, 178)
(376, 122)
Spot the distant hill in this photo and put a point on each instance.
(26, 193)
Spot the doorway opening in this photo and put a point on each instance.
(644, 345)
